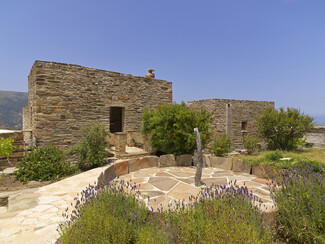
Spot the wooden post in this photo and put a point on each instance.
(199, 165)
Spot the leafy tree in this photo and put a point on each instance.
(7, 148)
(172, 128)
(91, 149)
(283, 129)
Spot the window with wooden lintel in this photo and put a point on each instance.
(116, 119)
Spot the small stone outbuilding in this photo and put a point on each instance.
(234, 117)
(63, 97)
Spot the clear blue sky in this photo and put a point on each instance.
(240, 49)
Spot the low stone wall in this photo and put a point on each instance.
(123, 167)
(126, 166)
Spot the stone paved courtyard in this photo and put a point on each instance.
(33, 215)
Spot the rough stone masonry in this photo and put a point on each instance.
(235, 117)
(64, 97)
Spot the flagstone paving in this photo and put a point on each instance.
(33, 215)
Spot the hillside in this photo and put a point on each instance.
(11, 105)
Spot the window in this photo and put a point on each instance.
(116, 119)
(244, 125)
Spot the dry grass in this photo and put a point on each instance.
(317, 154)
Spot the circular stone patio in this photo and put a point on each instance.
(160, 187)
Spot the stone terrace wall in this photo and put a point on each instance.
(63, 97)
(240, 111)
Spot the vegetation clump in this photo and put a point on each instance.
(288, 160)
(224, 214)
(6, 147)
(91, 150)
(273, 156)
(283, 129)
(300, 204)
(110, 215)
(172, 128)
(220, 214)
(43, 164)
(250, 144)
(221, 145)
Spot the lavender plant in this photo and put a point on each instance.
(218, 214)
(109, 215)
(300, 204)
(221, 214)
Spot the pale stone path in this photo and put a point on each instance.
(33, 215)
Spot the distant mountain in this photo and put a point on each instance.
(11, 105)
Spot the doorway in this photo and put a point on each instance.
(116, 119)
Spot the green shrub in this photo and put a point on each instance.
(282, 129)
(110, 216)
(42, 164)
(91, 149)
(250, 143)
(6, 147)
(172, 128)
(230, 219)
(273, 156)
(300, 204)
(222, 215)
(221, 145)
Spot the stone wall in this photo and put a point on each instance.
(315, 139)
(63, 97)
(235, 117)
(27, 115)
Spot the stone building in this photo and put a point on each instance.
(63, 97)
(235, 117)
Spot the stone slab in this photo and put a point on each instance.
(121, 167)
(9, 171)
(164, 174)
(167, 160)
(162, 183)
(239, 166)
(144, 186)
(184, 160)
(148, 162)
(189, 180)
(263, 171)
(134, 165)
(22, 201)
(183, 191)
(221, 162)
(179, 173)
(206, 161)
(107, 175)
(150, 171)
